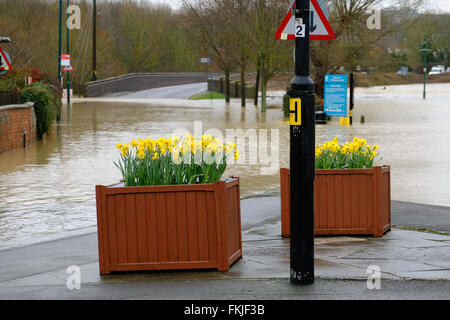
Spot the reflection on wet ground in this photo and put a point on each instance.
(47, 189)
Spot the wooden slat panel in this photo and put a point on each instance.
(322, 215)
(121, 220)
(362, 197)
(152, 227)
(183, 252)
(232, 219)
(346, 186)
(130, 206)
(172, 237)
(316, 204)
(339, 214)
(370, 202)
(142, 237)
(202, 225)
(354, 201)
(102, 230)
(386, 198)
(212, 232)
(285, 199)
(331, 205)
(112, 233)
(192, 226)
(161, 227)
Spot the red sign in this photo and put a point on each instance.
(65, 59)
(4, 61)
(320, 28)
(68, 68)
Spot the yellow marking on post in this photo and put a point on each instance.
(295, 111)
(344, 121)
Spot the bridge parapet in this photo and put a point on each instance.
(134, 82)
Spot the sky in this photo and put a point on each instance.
(442, 5)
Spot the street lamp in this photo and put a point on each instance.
(94, 42)
(425, 51)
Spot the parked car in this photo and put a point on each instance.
(448, 69)
(437, 70)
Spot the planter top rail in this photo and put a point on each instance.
(349, 171)
(121, 189)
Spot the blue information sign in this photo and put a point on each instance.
(336, 95)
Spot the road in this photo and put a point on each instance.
(173, 92)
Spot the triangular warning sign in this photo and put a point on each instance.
(5, 64)
(320, 28)
(68, 68)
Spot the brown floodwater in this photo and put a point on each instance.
(47, 190)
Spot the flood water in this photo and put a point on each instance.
(47, 190)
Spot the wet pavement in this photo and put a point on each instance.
(408, 260)
(47, 189)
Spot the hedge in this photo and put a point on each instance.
(44, 105)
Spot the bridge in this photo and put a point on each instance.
(134, 82)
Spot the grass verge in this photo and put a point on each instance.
(207, 95)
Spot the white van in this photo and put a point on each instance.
(437, 70)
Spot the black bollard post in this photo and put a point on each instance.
(302, 157)
(352, 97)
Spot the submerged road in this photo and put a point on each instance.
(172, 92)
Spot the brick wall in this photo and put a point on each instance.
(15, 120)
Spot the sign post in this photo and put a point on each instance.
(205, 61)
(68, 52)
(302, 157)
(305, 20)
(425, 51)
(352, 97)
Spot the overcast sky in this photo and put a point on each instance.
(442, 5)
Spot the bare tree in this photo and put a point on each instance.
(354, 40)
(270, 55)
(208, 24)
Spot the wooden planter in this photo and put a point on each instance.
(346, 202)
(169, 227)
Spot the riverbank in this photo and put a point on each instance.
(414, 265)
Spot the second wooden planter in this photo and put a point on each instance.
(346, 202)
(169, 227)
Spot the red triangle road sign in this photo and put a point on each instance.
(68, 68)
(5, 64)
(320, 28)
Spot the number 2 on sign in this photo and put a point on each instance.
(299, 30)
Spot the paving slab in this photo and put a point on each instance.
(39, 271)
